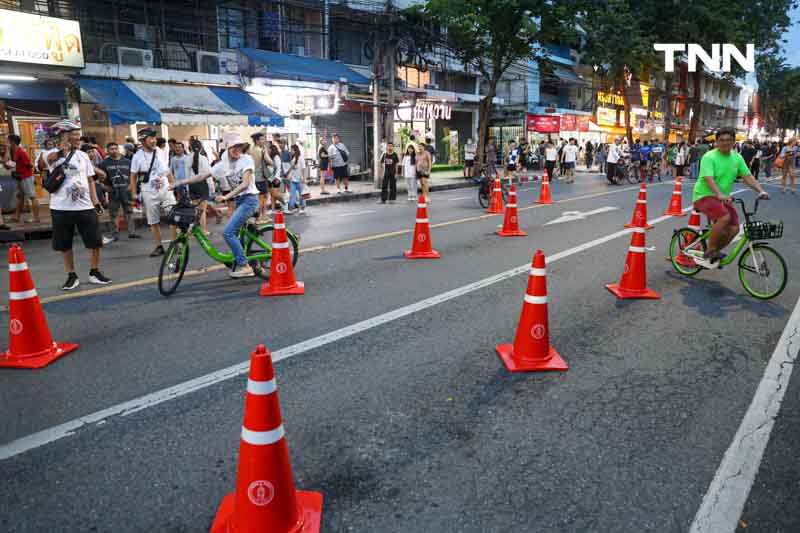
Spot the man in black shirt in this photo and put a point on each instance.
(115, 173)
(389, 185)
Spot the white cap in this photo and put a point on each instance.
(233, 138)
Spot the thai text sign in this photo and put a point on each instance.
(26, 38)
(544, 123)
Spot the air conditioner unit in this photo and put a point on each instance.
(300, 50)
(134, 57)
(212, 63)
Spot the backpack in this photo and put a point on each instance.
(55, 179)
(343, 153)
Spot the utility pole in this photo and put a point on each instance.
(377, 67)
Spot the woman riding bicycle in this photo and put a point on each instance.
(199, 188)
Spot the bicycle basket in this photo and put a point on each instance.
(762, 229)
(182, 216)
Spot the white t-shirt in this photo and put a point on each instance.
(614, 154)
(570, 153)
(550, 154)
(296, 173)
(233, 172)
(73, 195)
(158, 175)
(469, 152)
(163, 155)
(409, 168)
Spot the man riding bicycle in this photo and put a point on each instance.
(719, 169)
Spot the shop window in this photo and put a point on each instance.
(231, 26)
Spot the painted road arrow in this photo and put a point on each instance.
(570, 216)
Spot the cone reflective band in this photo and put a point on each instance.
(496, 196)
(675, 208)
(531, 350)
(639, 219)
(682, 259)
(421, 247)
(511, 219)
(265, 499)
(281, 271)
(633, 283)
(30, 344)
(544, 192)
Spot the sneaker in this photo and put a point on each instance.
(134, 236)
(109, 239)
(348, 191)
(380, 202)
(159, 250)
(72, 282)
(325, 193)
(245, 271)
(392, 201)
(339, 192)
(302, 211)
(97, 277)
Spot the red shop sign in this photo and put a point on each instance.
(569, 122)
(544, 123)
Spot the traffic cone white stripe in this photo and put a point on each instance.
(641, 201)
(262, 438)
(422, 220)
(638, 230)
(279, 226)
(261, 388)
(17, 267)
(538, 272)
(676, 193)
(22, 295)
(535, 299)
(497, 190)
(511, 205)
(280, 245)
(637, 249)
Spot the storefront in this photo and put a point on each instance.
(449, 125)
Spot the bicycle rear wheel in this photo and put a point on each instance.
(173, 265)
(483, 197)
(632, 174)
(262, 267)
(762, 272)
(684, 264)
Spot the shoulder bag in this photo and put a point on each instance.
(55, 179)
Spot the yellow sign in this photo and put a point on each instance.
(26, 38)
(606, 116)
(610, 98)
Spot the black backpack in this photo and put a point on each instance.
(55, 179)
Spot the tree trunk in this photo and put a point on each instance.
(484, 114)
(668, 110)
(696, 104)
(626, 101)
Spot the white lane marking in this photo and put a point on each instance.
(569, 216)
(726, 496)
(52, 434)
(356, 213)
(459, 198)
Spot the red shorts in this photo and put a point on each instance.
(714, 208)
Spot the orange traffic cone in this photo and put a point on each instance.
(281, 272)
(633, 283)
(639, 219)
(544, 193)
(421, 247)
(496, 203)
(511, 220)
(29, 342)
(675, 208)
(694, 223)
(531, 350)
(265, 499)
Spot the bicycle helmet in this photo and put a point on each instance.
(64, 126)
(145, 133)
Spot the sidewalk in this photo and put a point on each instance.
(361, 190)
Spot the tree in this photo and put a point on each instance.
(488, 36)
(619, 44)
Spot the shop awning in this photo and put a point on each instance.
(565, 75)
(40, 91)
(139, 101)
(291, 67)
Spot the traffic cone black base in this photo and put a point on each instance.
(59, 349)
(553, 362)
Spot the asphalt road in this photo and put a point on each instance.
(412, 424)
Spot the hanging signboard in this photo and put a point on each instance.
(544, 123)
(26, 38)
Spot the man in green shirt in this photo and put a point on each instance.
(719, 169)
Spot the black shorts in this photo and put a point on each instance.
(64, 224)
(469, 163)
(263, 188)
(199, 191)
(340, 173)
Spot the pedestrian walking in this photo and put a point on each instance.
(275, 182)
(340, 155)
(74, 205)
(789, 153)
(470, 149)
(4, 172)
(115, 175)
(491, 157)
(262, 172)
(570, 156)
(602, 155)
(410, 172)
(588, 151)
(22, 171)
(550, 158)
(768, 153)
(681, 157)
(424, 166)
(297, 204)
(324, 165)
(391, 163)
(512, 160)
(155, 179)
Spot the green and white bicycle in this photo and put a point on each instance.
(762, 270)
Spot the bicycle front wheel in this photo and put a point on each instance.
(483, 197)
(762, 272)
(173, 265)
(262, 266)
(632, 174)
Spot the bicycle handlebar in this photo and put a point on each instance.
(744, 207)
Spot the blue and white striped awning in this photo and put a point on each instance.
(127, 102)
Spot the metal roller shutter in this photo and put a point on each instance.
(350, 127)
